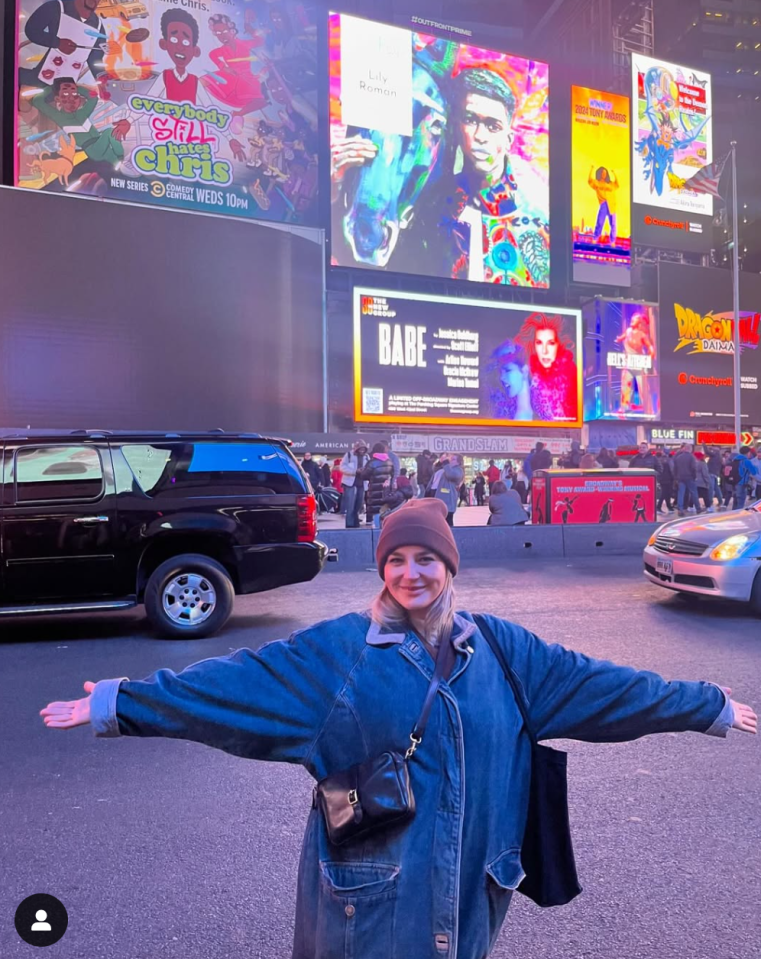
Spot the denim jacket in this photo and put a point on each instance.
(342, 691)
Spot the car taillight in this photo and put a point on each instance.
(307, 514)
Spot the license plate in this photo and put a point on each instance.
(664, 566)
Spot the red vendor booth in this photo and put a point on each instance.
(565, 497)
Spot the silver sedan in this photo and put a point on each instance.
(714, 555)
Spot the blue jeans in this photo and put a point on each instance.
(692, 487)
(603, 215)
(352, 503)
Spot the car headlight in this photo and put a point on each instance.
(734, 547)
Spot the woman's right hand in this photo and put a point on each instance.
(352, 152)
(66, 715)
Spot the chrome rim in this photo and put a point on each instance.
(189, 599)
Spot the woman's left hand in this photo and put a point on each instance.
(745, 718)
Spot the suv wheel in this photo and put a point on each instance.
(189, 596)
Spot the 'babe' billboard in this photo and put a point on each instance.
(436, 360)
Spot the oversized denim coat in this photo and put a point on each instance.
(342, 691)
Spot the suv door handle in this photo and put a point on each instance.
(87, 520)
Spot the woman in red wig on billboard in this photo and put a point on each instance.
(554, 377)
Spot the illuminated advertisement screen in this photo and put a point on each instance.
(439, 156)
(601, 177)
(610, 497)
(437, 360)
(208, 106)
(697, 344)
(671, 134)
(621, 363)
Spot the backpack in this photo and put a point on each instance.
(727, 471)
(739, 472)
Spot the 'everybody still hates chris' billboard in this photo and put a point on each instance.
(208, 106)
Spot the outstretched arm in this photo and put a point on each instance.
(270, 704)
(573, 696)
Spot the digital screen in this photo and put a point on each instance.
(671, 134)
(601, 499)
(621, 362)
(697, 344)
(601, 177)
(439, 156)
(208, 106)
(437, 360)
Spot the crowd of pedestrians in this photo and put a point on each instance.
(372, 482)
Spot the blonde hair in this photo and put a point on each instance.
(389, 614)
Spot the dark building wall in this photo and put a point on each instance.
(119, 317)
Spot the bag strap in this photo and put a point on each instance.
(491, 639)
(416, 736)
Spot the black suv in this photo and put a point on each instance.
(180, 522)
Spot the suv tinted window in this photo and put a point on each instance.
(208, 469)
(58, 472)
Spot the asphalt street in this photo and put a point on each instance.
(171, 850)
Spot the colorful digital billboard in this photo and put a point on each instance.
(601, 178)
(439, 156)
(439, 360)
(621, 362)
(671, 134)
(198, 106)
(697, 345)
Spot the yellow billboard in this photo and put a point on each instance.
(601, 177)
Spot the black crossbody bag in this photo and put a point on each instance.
(376, 793)
(547, 849)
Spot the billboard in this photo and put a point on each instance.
(569, 498)
(601, 182)
(201, 106)
(697, 344)
(671, 134)
(621, 362)
(444, 361)
(439, 156)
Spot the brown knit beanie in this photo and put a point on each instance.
(421, 522)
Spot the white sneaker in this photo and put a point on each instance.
(710, 510)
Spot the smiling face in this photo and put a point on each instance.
(179, 44)
(546, 345)
(485, 136)
(415, 577)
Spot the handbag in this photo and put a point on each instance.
(376, 793)
(547, 849)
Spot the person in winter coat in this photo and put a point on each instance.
(686, 474)
(713, 458)
(606, 460)
(665, 482)
(741, 471)
(573, 459)
(379, 474)
(424, 471)
(505, 507)
(312, 468)
(492, 474)
(479, 486)
(645, 460)
(704, 483)
(354, 488)
(452, 475)
(344, 691)
(540, 459)
(336, 477)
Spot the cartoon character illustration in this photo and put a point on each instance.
(69, 108)
(60, 166)
(606, 513)
(605, 184)
(71, 32)
(554, 375)
(507, 383)
(659, 147)
(566, 507)
(234, 85)
(639, 509)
